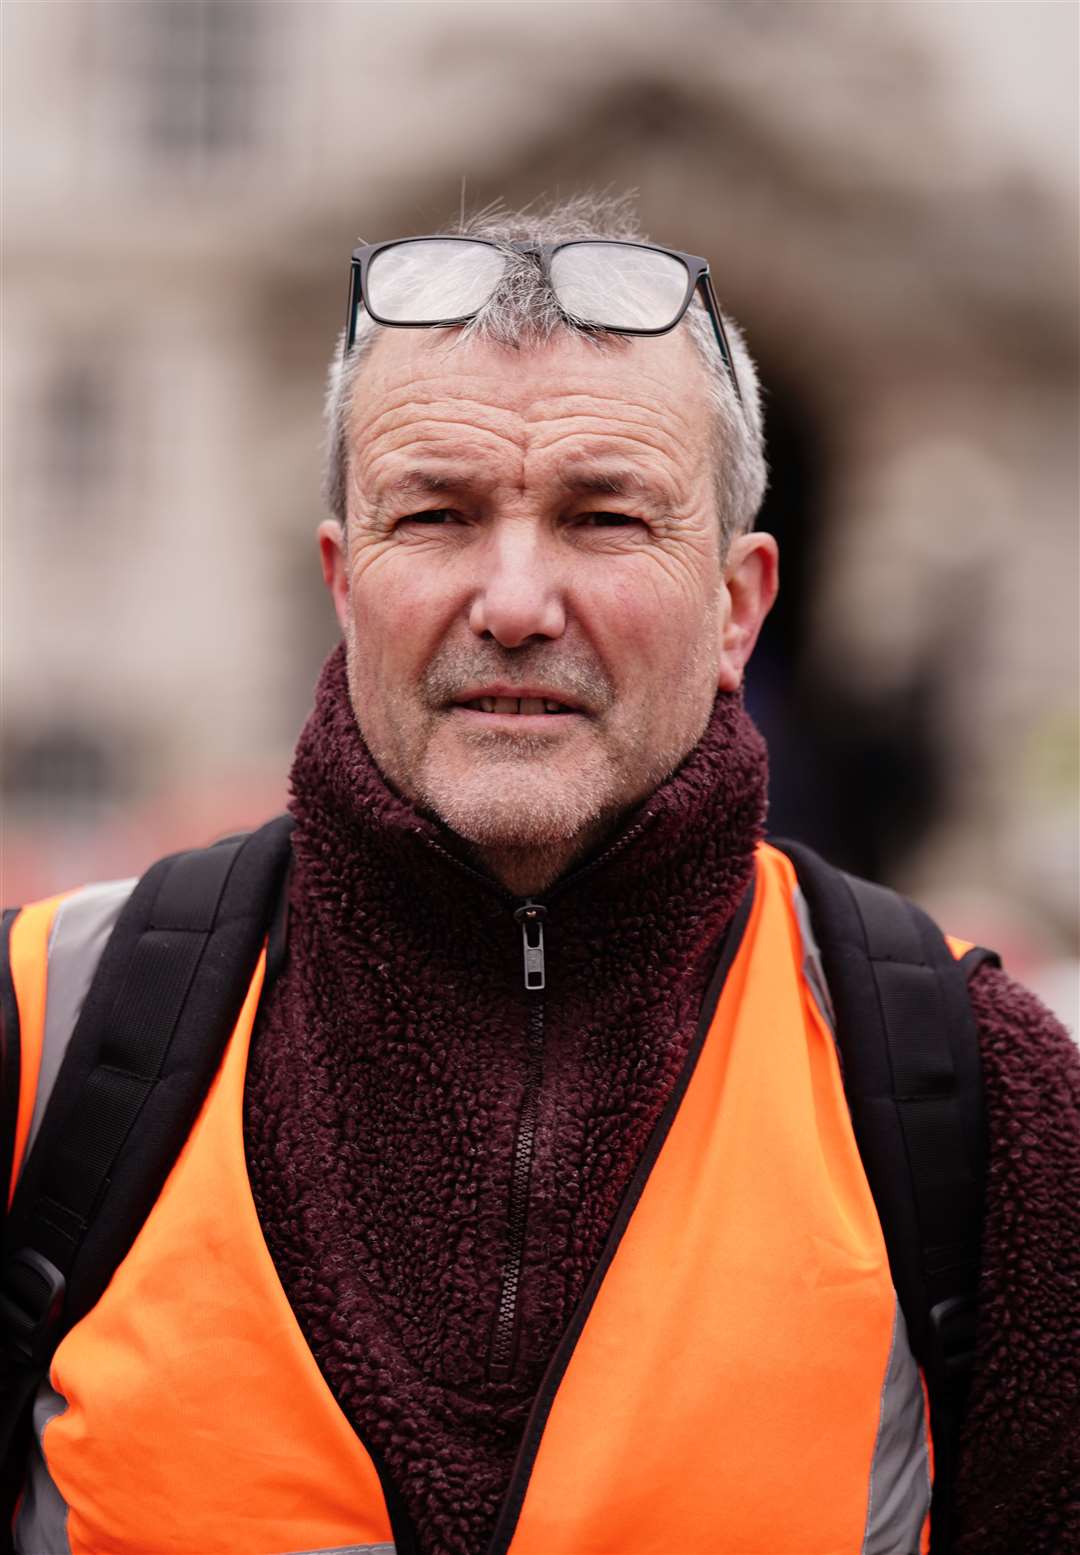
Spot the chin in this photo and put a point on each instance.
(514, 808)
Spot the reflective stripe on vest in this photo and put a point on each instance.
(54, 951)
(742, 1384)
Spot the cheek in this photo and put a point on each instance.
(393, 614)
(657, 631)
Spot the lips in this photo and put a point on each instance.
(530, 706)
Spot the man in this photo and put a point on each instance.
(570, 1247)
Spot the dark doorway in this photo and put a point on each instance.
(856, 779)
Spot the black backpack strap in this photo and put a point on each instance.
(166, 995)
(10, 1061)
(909, 1051)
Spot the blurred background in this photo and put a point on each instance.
(888, 195)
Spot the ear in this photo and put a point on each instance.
(335, 569)
(751, 579)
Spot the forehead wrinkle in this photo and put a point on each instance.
(453, 396)
(466, 417)
(455, 442)
(632, 444)
(487, 400)
(625, 406)
(458, 450)
(398, 431)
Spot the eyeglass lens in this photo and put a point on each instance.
(430, 281)
(618, 286)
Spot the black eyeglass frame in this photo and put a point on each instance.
(699, 278)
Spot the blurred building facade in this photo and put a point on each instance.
(887, 194)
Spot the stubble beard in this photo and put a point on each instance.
(525, 804)
(524, 822)
(528, 824)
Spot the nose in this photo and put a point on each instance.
(520, 595)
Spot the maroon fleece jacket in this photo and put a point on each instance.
(394, 1058)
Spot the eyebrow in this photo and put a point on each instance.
(611, 481)
(615, 482)
(420, 483)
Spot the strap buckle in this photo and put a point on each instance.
(31, 1301)
(952, 1336)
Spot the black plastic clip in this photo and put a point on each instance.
(952, 1335)
(31, 1302)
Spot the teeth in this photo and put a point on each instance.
(529, 705)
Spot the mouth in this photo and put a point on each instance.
(517, 707)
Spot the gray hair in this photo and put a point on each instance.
(523, 310)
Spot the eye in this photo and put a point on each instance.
(431, 517)
(604, 520)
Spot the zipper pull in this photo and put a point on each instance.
(531, 917)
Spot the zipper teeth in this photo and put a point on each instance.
(559, 886)
(577, 875)
(467, 869)
(502, 1339)
(501, 1352)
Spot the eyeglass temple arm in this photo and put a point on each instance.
(712, 308)
(354, 304)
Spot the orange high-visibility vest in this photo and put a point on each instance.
(741, 1383)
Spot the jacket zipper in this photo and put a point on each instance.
(503, 1338)
(530, 916)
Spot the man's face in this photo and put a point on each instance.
(532, 597)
